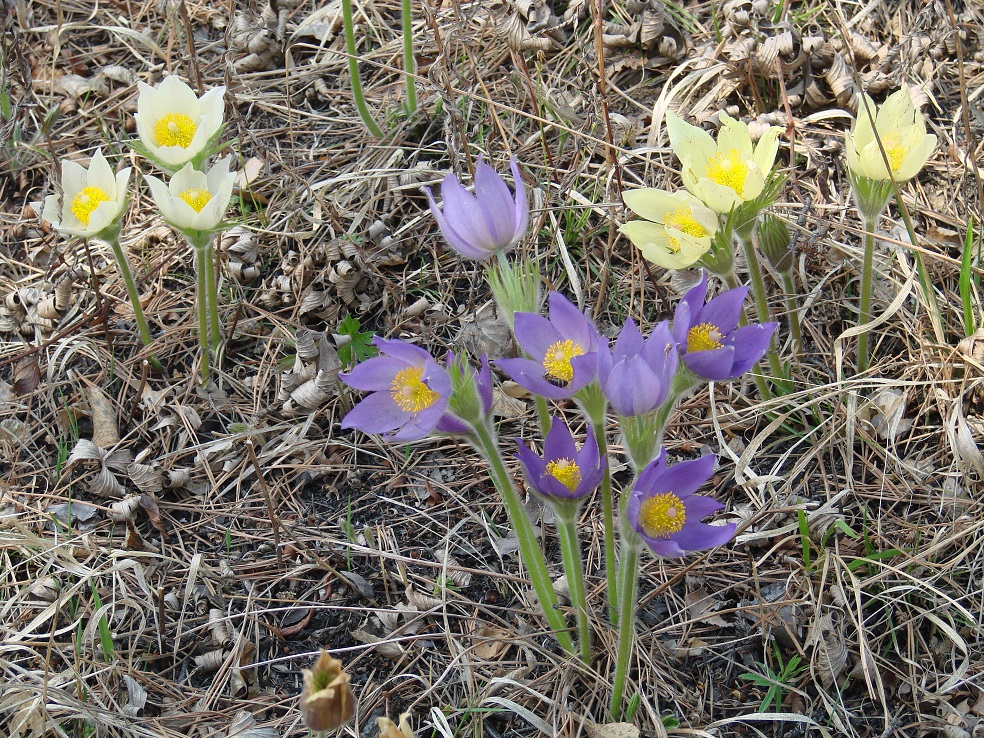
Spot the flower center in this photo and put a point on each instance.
(196, 197)
(175, 129)
(703, 337)
(557, 360)
(662, 515)
(85, 203)
(408, 391)
(565, 471)
(683, 220)
(672, 245)
(894, 150)
(728, 168)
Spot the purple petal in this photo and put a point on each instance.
(553, 487)
(485, 385)
(456, 240)
(559, 443)
(716, 365)
(498, 207)
(377, 413)
(697, 536)
(632, 388)
(571, 323)
(683, 321)
(605, 362)
(452, 424)
(665, 547)
(535, 334)
(629, 342)
(521, 213)
(751, 343)
(699, 507)
(724, 310)
(585, 370)
(684, 478)
(694, 299)
(529, 375)
(649, 477)
(373, 375)
(464, 214)
(408, 353)
(533, 465)
(421, 424)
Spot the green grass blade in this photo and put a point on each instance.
(966, 297)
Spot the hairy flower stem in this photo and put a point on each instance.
(628, 590)
(529, 549)
(608, 522)
(205, 264)
(864, 308)
(353, 63)
(543, 413)
(566, 512)
(793, 312)
(409, 63)
(757, 376)
(201, 290)
(749, 246)
(131, 291)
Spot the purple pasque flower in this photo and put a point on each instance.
(709, 339)
(664, 510)
(480, 390)
(409, 392)
(636, 374)
(563, 350)
(563, 472)
(478, 225)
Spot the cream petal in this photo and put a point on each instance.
(689, 142)
(52, 211)
(103, 216)
(734, 136)
(895, 113)
(160, 193)
(864, 132)
(706, 217)
(213, 108)
(123, 184)
(719, 198)
(853, 159)
(754, 183)
(188, 178)
(101, 175)
(916, 158)
(179, 97)
(651, 203)
(766, 149)
(873, 162)
(74, 178)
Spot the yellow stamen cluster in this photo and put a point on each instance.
(728, 168)
(565, 471)
(683, 220)
(196, 197)
(894, 150)
(175, 129)
(557, 360)
(703, 337)
(662, 515)
(408, 391)
(85, 203)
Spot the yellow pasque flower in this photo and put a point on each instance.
(174, 125)
(677, 230)
(93, 199)
(902, 131)
(727, 172)
(192, 200)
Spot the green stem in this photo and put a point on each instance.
(543, 413)
(793, 312)
(864, 309)
(566, 512)
(757, 375)
(530, 552)
(628, 590)
(360, 100)
(202, 308)
(409, 63)
(212, 297)
(763, 313)
(131, 290)
(608, 521)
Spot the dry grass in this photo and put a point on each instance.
(169, 611)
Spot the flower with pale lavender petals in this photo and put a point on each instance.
(409, 392)
(563, 350)
(491, 220)
(563, 472)
(471, 395)
(710, 342)
(664, 510)
(635, 375)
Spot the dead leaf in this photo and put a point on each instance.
(149, 504)
(294, 629)
(105, 427)
(27, 375)
(490, 642)
(610, 730)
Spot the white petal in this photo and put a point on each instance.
(101, 175)
(652, 204)
(73, 179)
(734, 136)
(689, 142)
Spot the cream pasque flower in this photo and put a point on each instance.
(174, 125)
(727, 172)
(93, 199)
(192, 200)
(677, 229)
(902, 132)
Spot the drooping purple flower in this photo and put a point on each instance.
(482, 383)
(563, 472)
(709, 339)
(409, 392)
(478, 225)
(635, 376)
(563, 350)
(664, 510)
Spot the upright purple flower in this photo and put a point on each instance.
(563, 472)
(409, 392)
(563, 350)
(491, 220)
(480, 390)
(636, 375)
(711, 344)
(664, 510)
